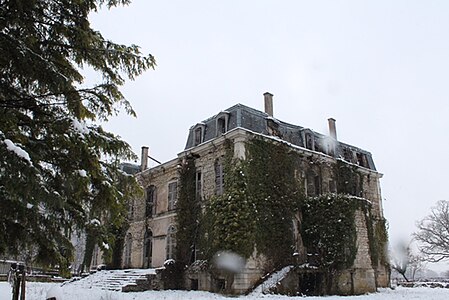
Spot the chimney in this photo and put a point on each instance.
(332, 128)
(268, 97)
(144, 158)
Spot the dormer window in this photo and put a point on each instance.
(222, 123)
(309, 140)
(361, 160)
(221, 126)
(198, 134)
(348, 155)
(273, 127)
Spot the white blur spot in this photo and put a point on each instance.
(229, 261)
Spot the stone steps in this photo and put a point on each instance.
(113, 280)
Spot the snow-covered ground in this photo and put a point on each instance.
(38, 291)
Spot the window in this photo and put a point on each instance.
(171, 242)
(151, 201)
(193, 253)
(148, 249)
(221, 126)
(348, 154)
(313, 184)
(219, 178)
(198, 184)
(198, 134)
(222, 123)
(172, 195)
(317, 185)
(332, 186)
(309, 143)
(273, 128)
(131, 209)
(128, 249)
(361, 159)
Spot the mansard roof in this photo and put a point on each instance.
(242, 116)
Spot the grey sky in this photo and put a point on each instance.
(380, 68)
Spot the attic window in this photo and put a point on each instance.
(222, 123)
(309, 141)
(221, 126)
(198, 135)
(347, 155)
(273, 128)
(361, 160)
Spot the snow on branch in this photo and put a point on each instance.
(17, 150)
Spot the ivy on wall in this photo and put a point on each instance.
(381, 240)
(257, 208)
(230, 216)
(228, 221)
(329, 230)
(276, 195)
(347, 178)
(378, 239)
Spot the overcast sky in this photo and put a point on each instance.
(380, 68)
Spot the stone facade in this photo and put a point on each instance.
(150, 239)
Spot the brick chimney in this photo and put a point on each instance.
(268, 97)
(144, 158)
(332, 128)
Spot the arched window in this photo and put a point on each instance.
(198, 134)
(128, 250)
(151, 201)
(171, 242)
(222, 123)
(148, 249)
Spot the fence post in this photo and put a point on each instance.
(22, 290)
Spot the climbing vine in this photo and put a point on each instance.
(258, 205)
(329, 230)
(347, 178)
(381, 238)
(230, 215)
(378, 239)
(276, 195)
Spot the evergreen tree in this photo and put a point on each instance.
(189, 213)
(58, 168)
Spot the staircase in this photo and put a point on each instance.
(116, 280)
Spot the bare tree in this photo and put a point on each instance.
(400, 259)
(416, 263)
(433, 233)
